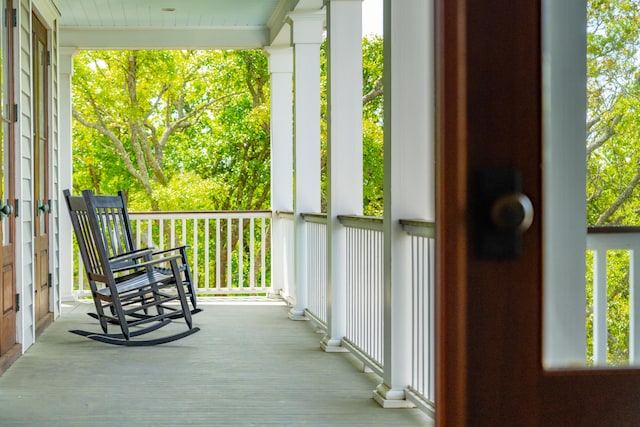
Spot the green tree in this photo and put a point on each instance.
(613, 158)
(613, 154)
(372, 126)
(142, 112)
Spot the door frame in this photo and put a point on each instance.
(8, 252)
(44, 320)
(489, 313)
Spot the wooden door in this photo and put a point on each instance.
(490, 104)
(41, 173)
(8, 302)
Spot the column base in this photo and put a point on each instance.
(329, 345)
(297, 315)
(391, 398)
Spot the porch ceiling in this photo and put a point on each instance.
(177, 24)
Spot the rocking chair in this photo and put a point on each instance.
(117, 234)
(127, 290)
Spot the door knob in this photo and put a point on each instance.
(501, 213)
(5, 211)
(43, 207)
(512, 213)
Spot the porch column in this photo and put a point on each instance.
(409, 176)
(281, 69)
(306, 35)
(66, 173)
(344, 152)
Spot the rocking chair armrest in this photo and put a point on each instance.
(154, 261)
(138, 253)
(177, 248)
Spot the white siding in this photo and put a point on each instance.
(24, 225)
(47, 10)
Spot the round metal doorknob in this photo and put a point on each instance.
(6, 210)
(512, 213)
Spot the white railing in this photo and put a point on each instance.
(317, 266)
(423, 381)
(601, 240)
(365, 287)
(228, 251)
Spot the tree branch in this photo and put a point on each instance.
(609, 132)
(622, 197)
(377, 91)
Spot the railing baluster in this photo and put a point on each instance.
(252, 263)
(263, 254)
(161, 234)
(206, 254)
(149, 233)
(195, 251)
(229, 257)
(600, 307)
(138, 233)
(241, 253)
(172, 236)
(218, 253)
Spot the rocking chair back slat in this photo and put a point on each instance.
(114, 224)
(89, 248)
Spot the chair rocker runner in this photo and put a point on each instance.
(127, 290)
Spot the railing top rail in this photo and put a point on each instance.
(285, 214)
(360, 221)
(419, 227)
(319, 218)
(200, 214)
(613, 229)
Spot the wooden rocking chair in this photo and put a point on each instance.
(127, 290)
(117, 232)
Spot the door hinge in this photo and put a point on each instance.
(14, 17)
(15, 113)
(50, 280)
(17, 302)
(48, 57)
(16, 208)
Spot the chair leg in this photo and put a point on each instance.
(186, 311)
(122, 320)
(100, 313)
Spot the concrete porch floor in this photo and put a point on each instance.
(248, 366)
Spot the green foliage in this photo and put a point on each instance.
(163, 124)
(613, 154)
(372, 126)
(613, 95)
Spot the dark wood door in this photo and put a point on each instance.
(41, 172)
(490, 103)
(8, 303)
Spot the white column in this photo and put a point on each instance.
(66, 172)
(344, 151)
(409, 175)
(281, 70)
(565, 225)
(306, 34)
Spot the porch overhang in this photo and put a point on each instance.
(191, 24)
(155, 38)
